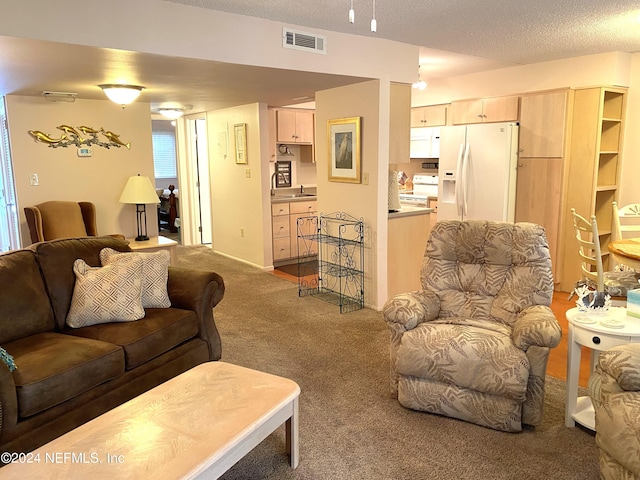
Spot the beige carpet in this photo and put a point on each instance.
(350, 427)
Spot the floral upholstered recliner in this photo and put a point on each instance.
(474, 342)
(614, 388)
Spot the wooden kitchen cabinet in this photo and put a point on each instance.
(294, 126)
(543, 118)
(280, 229)
(429, 116)
(284, 227)
(485, 110)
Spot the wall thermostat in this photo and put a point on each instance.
(84, 152)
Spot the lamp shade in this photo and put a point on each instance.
(121, 94)
(140, 191)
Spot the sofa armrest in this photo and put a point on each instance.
(199, 291)
(412, 308)
(623, 364)
(536, 325)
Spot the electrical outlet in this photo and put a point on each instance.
(365, 178)
(33, 180)
(247, 173)
(242, 233)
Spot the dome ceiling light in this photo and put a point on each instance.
(121, 94)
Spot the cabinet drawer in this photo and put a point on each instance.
(281, 248)
(598, 341)
(280, 226)
(279, 209)
(302, 207)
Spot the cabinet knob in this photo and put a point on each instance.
(596, 340)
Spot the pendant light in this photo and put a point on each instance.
(420, 84)
(352, 14)
(374, 23)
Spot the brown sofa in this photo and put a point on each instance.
(64, 376)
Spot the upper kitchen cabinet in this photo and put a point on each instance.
(485, 110)
(542, 124)
(399, 130)
(429, 116)
(294, 126)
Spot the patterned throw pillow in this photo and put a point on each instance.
(112, 293)
(155, 270)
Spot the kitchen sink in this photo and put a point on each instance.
(294, 195)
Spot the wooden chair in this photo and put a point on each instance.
(621, 218)
(615, 284)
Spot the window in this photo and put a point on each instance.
(164, 149)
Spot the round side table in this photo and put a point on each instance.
(590, 332)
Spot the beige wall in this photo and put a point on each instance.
(358, 200)
(65, 176)
(240, 203)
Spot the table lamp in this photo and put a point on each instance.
(140, 191)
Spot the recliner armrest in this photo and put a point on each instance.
(8, 401)
(623, 364)
(412, 308)
(536, 325)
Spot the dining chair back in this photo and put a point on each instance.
(589, 249)
(626, 221)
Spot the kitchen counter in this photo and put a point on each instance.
(410, 210)
(285, 199)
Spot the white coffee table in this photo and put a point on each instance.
(196, 425)
(598, 338)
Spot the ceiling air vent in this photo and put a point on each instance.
(307, 42)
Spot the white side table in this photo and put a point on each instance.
(154, 244)
(598, 338)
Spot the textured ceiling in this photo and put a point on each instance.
(512, 31)
(455, 37)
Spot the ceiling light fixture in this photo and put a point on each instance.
(352, 14)
(374, 23)
(171, 113)
(420, 84)
(121, 94)
(66, 97)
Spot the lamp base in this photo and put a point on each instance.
(142, 238)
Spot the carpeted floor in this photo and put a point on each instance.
(350, 427)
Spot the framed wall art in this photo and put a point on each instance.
(344, 149)
(240, 135)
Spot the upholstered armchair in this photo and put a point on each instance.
(614, 388)
(474, 342)
(60, 219)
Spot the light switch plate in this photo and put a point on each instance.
(33, 180)
(365, 178)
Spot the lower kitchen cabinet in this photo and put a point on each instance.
(284, 217)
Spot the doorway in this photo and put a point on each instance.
(199, 163)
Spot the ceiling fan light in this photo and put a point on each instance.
(420, 85)
(171, 113)
(121, 94)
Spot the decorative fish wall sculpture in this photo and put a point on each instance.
(72, 136)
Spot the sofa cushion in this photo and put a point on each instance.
(155, 270)
(53, 368)
(469, 356)
(112, 293)
(56, 259)
(158, 332)
(24, 306)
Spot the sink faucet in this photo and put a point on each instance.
(273, 183)
(301, 188)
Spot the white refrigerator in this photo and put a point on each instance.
(477, 172)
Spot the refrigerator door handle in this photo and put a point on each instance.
(465, 179)
(459, 179)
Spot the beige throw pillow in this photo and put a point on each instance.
(155, 271)
(112, 293)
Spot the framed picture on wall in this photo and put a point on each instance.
(240, 135)
(344, 149)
